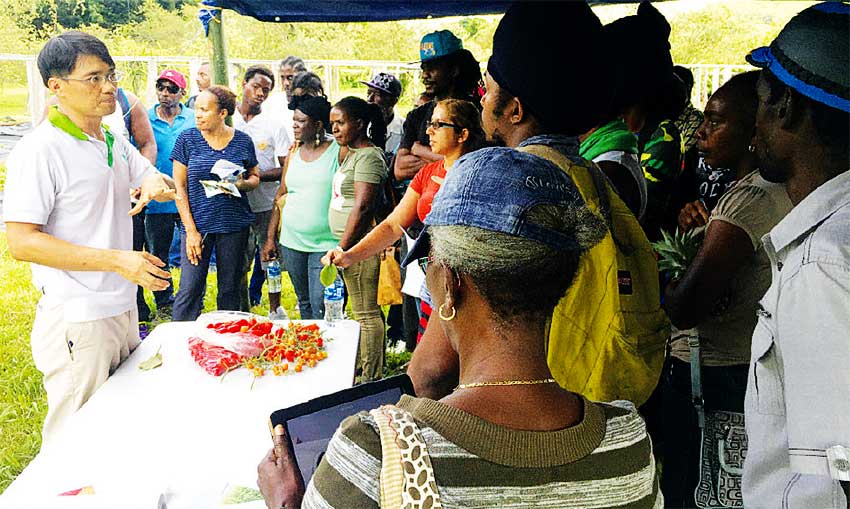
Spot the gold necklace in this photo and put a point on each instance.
(503, 383)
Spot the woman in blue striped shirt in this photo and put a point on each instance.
(220, 221)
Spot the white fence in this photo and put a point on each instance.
(707, 77)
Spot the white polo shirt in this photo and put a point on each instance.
(395, 130)
(798, 393)
(62, 179)
(278, 106)
(270, 142)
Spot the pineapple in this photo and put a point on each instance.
(677, 251)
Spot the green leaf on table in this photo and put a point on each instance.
(240, 495)
(328, 275)
(153, 362)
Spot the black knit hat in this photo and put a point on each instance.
(644, 66)
(552, 57)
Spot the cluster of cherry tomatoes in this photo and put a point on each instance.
(261, 347)
(288, 349)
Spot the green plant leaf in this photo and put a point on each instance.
(328, 275)
(153, 362)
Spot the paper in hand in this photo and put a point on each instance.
(214, 187)
(224, 169)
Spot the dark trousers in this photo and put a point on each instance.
(723, 388)
(230, 251)
(174, 251)
(258, 277)
(159, 232)
(139, 245)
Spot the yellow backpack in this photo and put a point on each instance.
(608, 333)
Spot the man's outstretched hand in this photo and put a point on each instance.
(154, 187)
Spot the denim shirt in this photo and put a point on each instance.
(797, 406)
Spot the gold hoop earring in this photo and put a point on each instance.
(446, 318)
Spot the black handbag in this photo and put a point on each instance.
(723, 448)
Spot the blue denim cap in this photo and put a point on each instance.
(811, 54)
(494, 189)
(438, 44)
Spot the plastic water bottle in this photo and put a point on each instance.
(334, 300)
(273, 276)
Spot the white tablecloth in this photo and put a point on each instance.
(174, 436)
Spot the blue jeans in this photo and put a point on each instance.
(304, 269)
(174, 251)
(159, 232)
(230, 251)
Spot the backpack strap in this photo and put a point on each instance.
(696, 379)
(599, 179)
(125, 110)
(402, 471)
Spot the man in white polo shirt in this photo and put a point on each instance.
(271, 144)
(798, 394)
(67, 196)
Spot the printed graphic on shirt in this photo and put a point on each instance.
(712, 183)
(337, 199)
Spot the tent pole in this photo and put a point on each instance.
(218, 58)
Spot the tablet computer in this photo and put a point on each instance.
(310, 426)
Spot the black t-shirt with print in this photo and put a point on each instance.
(704, 183)
(416, 124)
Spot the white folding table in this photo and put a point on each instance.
(173, 436)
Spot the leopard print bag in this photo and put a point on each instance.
(407, 476)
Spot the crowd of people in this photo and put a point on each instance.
(534, 193)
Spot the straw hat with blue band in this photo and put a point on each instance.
(812, 53)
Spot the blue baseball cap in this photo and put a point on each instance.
(494, 189)
(812, 54)
(438, 44)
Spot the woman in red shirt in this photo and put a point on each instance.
(455, 129)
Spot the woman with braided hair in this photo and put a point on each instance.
(304, 232)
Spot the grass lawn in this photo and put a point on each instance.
(23, 403)
(13, 103)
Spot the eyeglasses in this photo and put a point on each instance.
(424, 262)
(436, 124)
(97, 80)
(173, 89)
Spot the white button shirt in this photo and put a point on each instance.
(798, 392)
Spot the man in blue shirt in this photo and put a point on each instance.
(168, 118)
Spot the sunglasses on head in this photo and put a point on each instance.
(172, 88)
